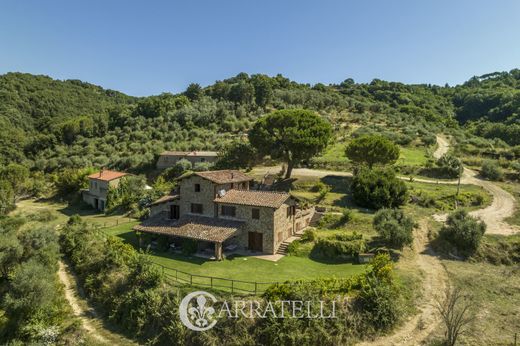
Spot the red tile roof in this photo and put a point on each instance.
(225, 176)
(107, 175)
(193, 227)
(254, 198)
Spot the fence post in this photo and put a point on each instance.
(256, 283)
(516, 334)
(211, 281)
(232, 282)
(191, 279)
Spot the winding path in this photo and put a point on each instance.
(70, 284)
(417, 329)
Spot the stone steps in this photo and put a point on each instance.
(284, 247)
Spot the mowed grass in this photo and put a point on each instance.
(243, 268)
(409, 155)
(413, 156)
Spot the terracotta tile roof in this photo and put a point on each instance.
(189, 153)
(254, 198)
(165, 199)
(224, 177)
(107, 175)
(192, 227)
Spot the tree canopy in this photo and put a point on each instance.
(292, 135)
(372, 150)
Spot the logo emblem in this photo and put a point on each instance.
(196, 311)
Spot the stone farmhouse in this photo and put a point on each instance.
(220, 211)
(169, 158)
(99, 184)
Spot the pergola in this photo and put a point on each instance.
(199, 228)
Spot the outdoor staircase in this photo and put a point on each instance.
(284, 247)
(316, 218)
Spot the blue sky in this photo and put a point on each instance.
(149, 47)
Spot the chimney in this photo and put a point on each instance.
(101, 171)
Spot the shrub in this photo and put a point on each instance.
(322, 192)
(318, 186)
(292, 249)
(379, 188)
(449, 166)
(340, 246)
(463, 231)
(44, 215)
(202, 166)
(491, 170)
(394, 227)
(379, 295)
(308, 236)
(177, 170)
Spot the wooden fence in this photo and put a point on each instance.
(213, 282)
(223, 284)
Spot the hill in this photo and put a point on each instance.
(49, 124)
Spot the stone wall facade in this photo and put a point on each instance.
(96, 196)
(275, 224)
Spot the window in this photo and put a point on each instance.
(196, 208)
(197, 187)
(228, 210)
(290, 211)
(255, 213)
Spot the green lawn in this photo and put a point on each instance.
(243, 268)
(410, 156)
(413, 156)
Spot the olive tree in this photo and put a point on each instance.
(394, 227)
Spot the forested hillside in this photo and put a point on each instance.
(49, 125)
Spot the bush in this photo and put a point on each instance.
(340, 246)
(177, 170)
(202, 166)
(379, 295)
(394, 227)
(378, 188)
(449, 166)
(463, 231)
(491, 170)
(308, 236)
(44, 215)
(292, 249)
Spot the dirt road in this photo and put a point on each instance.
(442, 147)
(502, 206)
(422, 324)
(70, 294)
